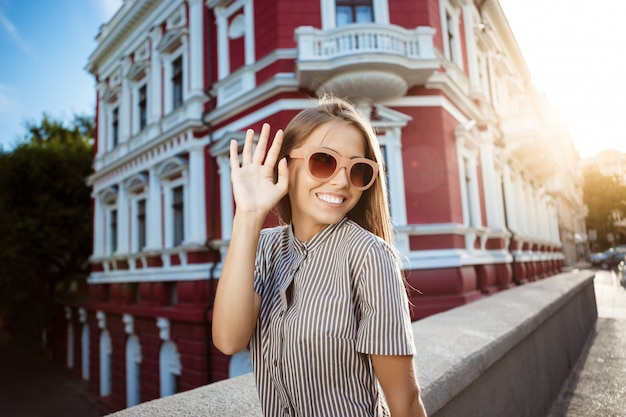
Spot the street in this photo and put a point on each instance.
(32, 385)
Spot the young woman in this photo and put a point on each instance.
(321, 301)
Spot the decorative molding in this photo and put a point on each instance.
(82, 315)
(102, 319)
(164, 328)
(129, 323)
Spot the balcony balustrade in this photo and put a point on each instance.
(367, 60)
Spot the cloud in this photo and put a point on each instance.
(17, 39)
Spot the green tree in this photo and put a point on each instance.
(45, 227)
(605, 197)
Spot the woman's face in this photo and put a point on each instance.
(316, 203)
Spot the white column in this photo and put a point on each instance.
(509, 197)
(223, 64)
(196, 55)
(536, 211)
(474, 194)
(125, 111)
(248, 14)
(470, 44)
(544, 207)
(154, 239)
(101, 123)
(226, 196)
(197, 199)
(520, 198)
(155, 87)
(98, 228)
(122, 220)
(492, 202)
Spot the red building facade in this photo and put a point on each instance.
(467, 152)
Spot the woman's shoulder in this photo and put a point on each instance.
(272, 236)
(359, 237)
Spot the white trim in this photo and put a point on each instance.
(195, 272)
(429, 101)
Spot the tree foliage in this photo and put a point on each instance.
(605, 197)
(45, 211)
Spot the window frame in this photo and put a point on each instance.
(174, 173)
(177, 82)
(115, 126)
(353, 6)
(112, 223)
(451, 32)
(142, 106)
(380, 11)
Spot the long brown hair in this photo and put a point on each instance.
(372, 210)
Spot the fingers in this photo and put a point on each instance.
(283, 175)
(272, 154)
(234, 155)
(261, 146)
(246, 154)
(259, 156)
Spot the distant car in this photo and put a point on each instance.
(613, 260)
(598, 258)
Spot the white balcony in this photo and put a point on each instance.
(374, 61)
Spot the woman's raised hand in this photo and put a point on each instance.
(253, 179)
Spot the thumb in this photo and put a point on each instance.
(283, 174)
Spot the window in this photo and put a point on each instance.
(105, 364)
(133, 371)
(354, 11)
(450, 27)
(141, 224)
(177, 83)
(115, 127)
(179, 217)
(113, 230)
(142, 104)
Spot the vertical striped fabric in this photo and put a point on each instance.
(327, 304)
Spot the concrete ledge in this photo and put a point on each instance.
(504, 355)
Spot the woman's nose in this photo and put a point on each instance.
(341, 177)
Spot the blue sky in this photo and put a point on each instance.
(44, 48)
(576, 54)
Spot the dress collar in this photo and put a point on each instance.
(316, 240)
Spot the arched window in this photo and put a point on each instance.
(169, 365)
(133, 361)
(240, 363)
(85, 351)
(105, 355)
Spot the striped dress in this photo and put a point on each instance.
(327, 304)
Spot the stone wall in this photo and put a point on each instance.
(505, 355)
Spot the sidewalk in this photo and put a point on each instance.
(597, 384)
(32, 385)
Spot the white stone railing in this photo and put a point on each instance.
(316, 44)
(481, 359)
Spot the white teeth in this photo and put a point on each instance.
(330, 198)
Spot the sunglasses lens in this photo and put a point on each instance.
(361, 174)
(322, 165)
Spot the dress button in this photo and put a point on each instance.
(280, 314)
(275, 362)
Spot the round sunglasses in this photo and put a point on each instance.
(323, 164)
